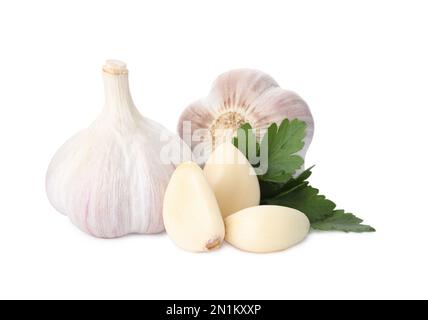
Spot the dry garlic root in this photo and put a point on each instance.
(109, 179)
(237, 97)
(266, 228)
(191, 214)
(232, 178)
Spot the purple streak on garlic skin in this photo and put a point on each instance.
(109, 178)
(246, 95)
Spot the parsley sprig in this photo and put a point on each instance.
(279, 184)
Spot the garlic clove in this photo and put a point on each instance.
(110, 178)
(237, 97)
(232, 178)
(191, 214)
(266, 228)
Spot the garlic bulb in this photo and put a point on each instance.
(232, 178)
(191, 214)
(237, 97)
(266, 228)
(110, 178)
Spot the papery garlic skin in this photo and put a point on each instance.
(266, 228)
(232, 179)
(237, 97)
(109, 178)
(191, 214)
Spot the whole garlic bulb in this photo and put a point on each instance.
(237, 97)
(110, 178)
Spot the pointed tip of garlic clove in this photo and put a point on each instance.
(226, 153)
(232, 178)
(115, 67)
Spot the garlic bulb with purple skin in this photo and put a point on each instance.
(110, 178)
(237, 97)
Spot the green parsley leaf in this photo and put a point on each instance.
(319, 210)
(282, 143)
(271, 189)
(342, 221)
(307, 200)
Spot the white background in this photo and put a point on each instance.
(362, 66)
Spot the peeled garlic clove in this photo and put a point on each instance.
(237, 97)
(191, 215)
(266, 228)
(232, 178)
(110, 178)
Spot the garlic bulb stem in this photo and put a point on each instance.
(118, 100)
